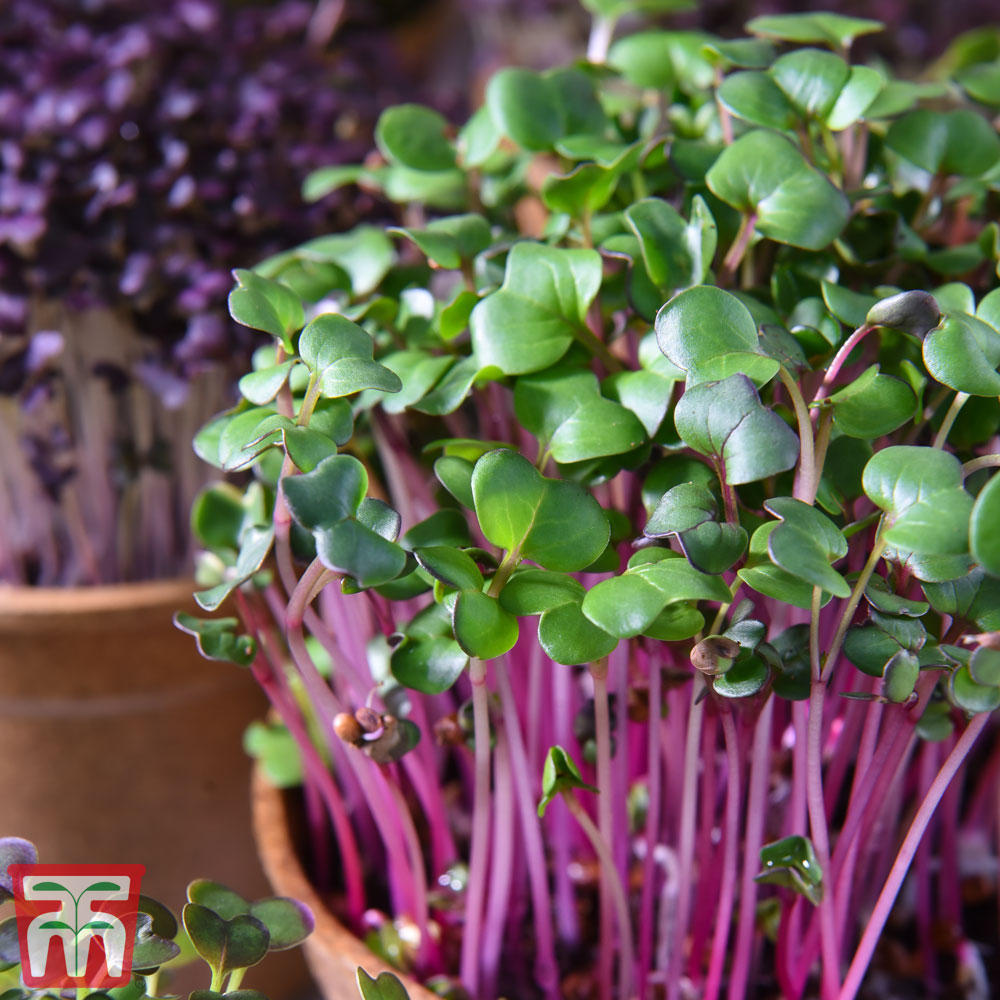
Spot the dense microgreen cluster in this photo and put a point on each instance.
(667, 423)
(229, 933)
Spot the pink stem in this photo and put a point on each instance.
(731, 837)
(739, 977)
(689, 806)
(893, 884)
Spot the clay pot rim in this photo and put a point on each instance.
(26, 608)
(284, 871)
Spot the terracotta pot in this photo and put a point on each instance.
(118, 742)
(332, 952)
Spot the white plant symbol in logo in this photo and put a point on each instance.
(76, 923)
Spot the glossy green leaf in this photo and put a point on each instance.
(568, 637)
(226, 945)
(984, 666)
(811, 79)
(530, 322)
(880, 597)
(565, 410)
(947, 142)
(217, 638)
(709, 333)
(836, 30)
(857, 96)
(872, 405)
(745, 678)
(538, 109)
(339, 353)
(982, 82)
(263, 385)
(386, 987)
(763, 174)
(984, 527)
(757, 99)
(675, 252)
(450, 241)
(553, 523)
(963, 353)
(415, 136)
(364, 253)
(254, 547)
(482, 627)
(920, 489)
(762, 575)
(643, 58)
(265, 305)
(352, 548)
(627, 605)
(680, 509)
(792, 863)
(331, 492)
(534, 591)
(727, 422)
(971, 696)
(429, 665)
(560, 775)
(455, 475)
(450, 566)
(900, 676)
(805, 543)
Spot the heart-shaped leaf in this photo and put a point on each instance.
(265, 305)
(745, 678)
(805, 543)
(727, 422)
(331, 492)
(288, 921)
(339, 353)
(627, 605)
(538, 109)
(971, 696)
(565, 410)
(386, 987)
(415, 136)
(792, 863)
(710, 334)
(554, 523)
(451, 240)
(946, 142)
(823, 27)
(763, 175)
(811, 79)
(530, 322)
(676, 253)
(920, 489)
(872, 405)
(963, 353)
(225, 944)
(766, 578)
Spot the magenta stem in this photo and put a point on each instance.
(655, 728)
(739, 977)
(501, 866)
(546, 968)
(731, 839)
(602, 737)
(685, 851)
(876, 923)
(479, 849)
